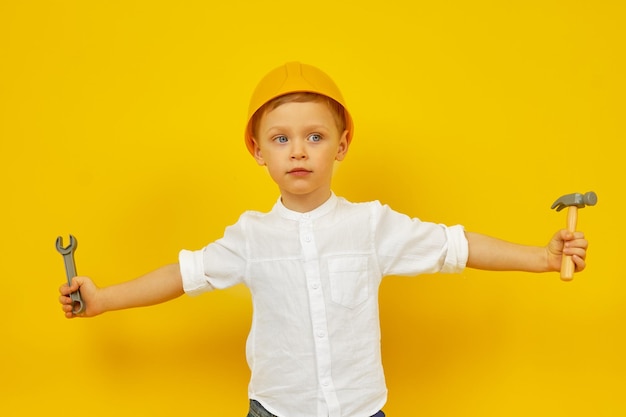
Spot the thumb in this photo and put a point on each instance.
(76, 283)
(566, 235)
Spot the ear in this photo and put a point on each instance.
(258, 156)
(344, 144)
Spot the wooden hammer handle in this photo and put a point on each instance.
(567, 264)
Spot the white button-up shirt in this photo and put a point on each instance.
(314, 345)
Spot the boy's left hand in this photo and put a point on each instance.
(567, 243)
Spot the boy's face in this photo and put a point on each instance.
(299, 143)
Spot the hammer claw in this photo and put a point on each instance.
(558, 205)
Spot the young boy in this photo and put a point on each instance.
(315, 261)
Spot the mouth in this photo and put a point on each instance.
(299, 171)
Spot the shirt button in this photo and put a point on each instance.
(321, 334)
(315, 285)
(325, 383)
(307, 238)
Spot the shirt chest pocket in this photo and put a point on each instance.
(349, 283)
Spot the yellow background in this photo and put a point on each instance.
(121, 122)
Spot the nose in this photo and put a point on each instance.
(298, 150)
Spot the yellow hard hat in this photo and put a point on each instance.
(294, 77)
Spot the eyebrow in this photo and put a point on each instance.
(312, 127)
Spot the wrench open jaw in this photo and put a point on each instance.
(78, 306)
(68, 249)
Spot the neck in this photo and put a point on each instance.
(304, 203)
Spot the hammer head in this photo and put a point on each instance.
(576, 199)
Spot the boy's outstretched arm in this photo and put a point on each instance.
(493, 254)
(155, 287)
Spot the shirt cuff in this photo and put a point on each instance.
(458, 250)
(192, 270)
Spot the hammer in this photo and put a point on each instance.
(573, 202)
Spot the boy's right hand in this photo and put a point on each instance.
(88, 292)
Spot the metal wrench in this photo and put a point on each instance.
(78, 306)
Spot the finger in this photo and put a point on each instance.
(64, 289)
(67, 289)
(581, 244)
(578, 252)
(75, 284)
(67, 310)
(579, 263)
(66, 301)
(566, 235)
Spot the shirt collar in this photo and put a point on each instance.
(320, 211)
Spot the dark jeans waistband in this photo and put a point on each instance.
(257, 410)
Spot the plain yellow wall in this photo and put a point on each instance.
(121, 122)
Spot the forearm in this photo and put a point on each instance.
(155, 287)
(493, 254)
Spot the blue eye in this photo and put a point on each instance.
(315, 137)
(281, 139)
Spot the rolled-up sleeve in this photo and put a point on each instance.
(192, 271)
(219, 265)
(458, 250)
(409, 246)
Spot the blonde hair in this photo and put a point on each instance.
(338, 111)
